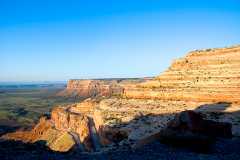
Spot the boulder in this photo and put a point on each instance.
(194, 122)
(190, 129)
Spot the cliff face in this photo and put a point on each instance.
(86, 88)
(76, 124)
(206, 76)
(97, 88)
(202, 81)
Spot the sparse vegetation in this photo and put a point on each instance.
(23, 107)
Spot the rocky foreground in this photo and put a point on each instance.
(129, 117)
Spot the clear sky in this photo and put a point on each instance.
(60, 40)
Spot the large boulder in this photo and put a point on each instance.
(194, 122)
(190, 129)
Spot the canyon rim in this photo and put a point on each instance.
(128, 114)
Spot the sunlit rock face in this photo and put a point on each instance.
(91, 88)
(57, 140)
(98, 88)
(87, 107)
(210, 75)
(63, 131)
(74, 123)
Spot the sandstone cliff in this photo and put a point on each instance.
(205, 81)
(210, 75)
(95, 88)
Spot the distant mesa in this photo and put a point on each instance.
(86, 88)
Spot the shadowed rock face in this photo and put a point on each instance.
(190, 126)
(144, 109)
(194, 122)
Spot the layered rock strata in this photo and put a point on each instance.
(210, 75)
(95, 88)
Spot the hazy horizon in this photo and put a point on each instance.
(57, 40)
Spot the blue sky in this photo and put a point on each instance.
(59, 40)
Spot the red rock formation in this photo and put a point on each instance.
(211, 75)
(65, 120)
(33, 135)
(57, 140)
(96, 88)
(59, 129)
(89, 88)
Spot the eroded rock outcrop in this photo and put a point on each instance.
(56, 140)
(74, 123)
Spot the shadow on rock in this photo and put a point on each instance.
(189, 129)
